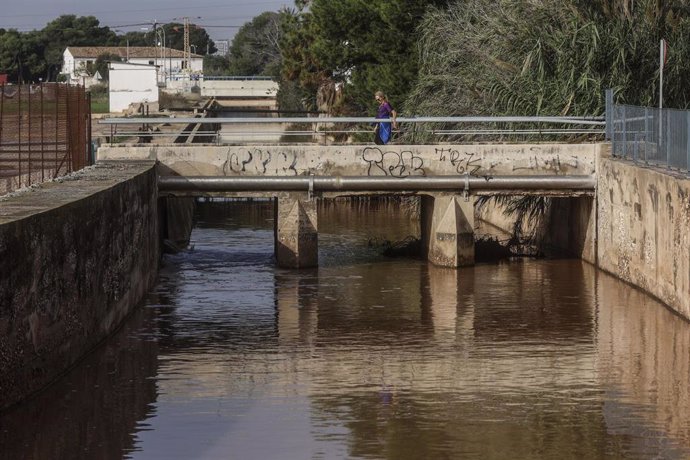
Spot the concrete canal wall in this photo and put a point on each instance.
(76, 257)
(643, 225)
(636, 228)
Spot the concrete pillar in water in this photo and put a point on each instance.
(448, 230)
(296, 231)
(175, 221)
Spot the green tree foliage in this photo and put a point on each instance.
(71, 30)
(552, 57)
(100, 65)
(367, 46)
(215, 65)
(21, 55)
(173, 33)
(37, 55)
(30, 56)
(199, 39)
(137, 39)
(255, 48)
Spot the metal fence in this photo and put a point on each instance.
(45, 132)
(649, 135)
(347, 130)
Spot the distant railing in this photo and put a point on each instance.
(341, 129)
(45, 132)
(235, 77)
(649, 135)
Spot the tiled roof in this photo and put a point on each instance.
(122, 51)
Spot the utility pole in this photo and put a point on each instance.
(187, 54)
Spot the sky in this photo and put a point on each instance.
(220, 18)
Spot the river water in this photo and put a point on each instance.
(368, 357)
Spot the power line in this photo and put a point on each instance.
(196, 7)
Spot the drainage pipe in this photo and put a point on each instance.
(373, 184)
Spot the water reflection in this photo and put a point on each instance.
(368, 357)
(95, 411)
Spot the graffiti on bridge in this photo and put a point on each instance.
(552, 163)
(465, 163)
(258, 161)
(375, 161)
(390, 163)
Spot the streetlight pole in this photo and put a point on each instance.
(161, 42)
(163, 51)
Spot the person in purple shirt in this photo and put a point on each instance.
(383, 132)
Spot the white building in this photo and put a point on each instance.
(132, 83)
(223, 47)
(169, 61)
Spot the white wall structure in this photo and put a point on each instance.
(170, 61)
(243, 87)
(132, 83)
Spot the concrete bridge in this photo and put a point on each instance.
(447, 177)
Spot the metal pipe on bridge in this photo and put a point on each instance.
(373, 184)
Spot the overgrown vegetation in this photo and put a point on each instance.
(363, 46)
(552, 57)
(99, 99)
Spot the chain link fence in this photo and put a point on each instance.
(45, 132)
(649, 135)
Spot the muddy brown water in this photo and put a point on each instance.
(368, 357)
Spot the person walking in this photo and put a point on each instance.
(382, 131)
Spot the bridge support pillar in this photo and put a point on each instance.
(296, 231)
(448, 230)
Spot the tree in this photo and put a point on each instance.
(198, 37)
(70, 30)
(100, 65)
(255, 48)
(365, 46)
(215, 65)
(21, 55)
(135, 39)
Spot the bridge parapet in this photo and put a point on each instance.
(365, 160)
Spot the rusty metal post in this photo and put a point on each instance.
(43, 137)
(29, 137)
(90, 159)
(57, 122)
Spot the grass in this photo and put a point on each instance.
(100, 105)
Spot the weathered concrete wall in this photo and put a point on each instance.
(568, 227)
(365, 160)
(571, 227)
(239, 88)
(644, 231)
(76, 256)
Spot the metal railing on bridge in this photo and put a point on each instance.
(650, 135)
(334, 130)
